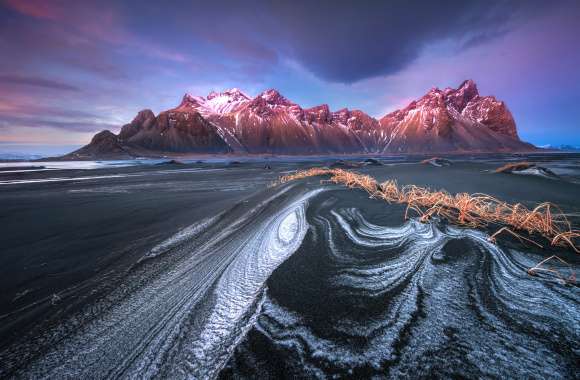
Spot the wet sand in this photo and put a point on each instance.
(86, 250)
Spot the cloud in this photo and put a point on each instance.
(28, 108)
(22, 80)
(41, 9)
(345, 42)
(482, 38)
(71, 125)
(91, 36)
(23, 111)
(339, 41)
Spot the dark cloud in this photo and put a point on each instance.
(482, 38)
(21, 80)
(339, 41)
(346, 41)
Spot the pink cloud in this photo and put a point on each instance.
(81, 23)
(41, 9)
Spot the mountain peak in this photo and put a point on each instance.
(468, 86)
(235, 94)
(460, 97)
(273, 96)
(144, 115)
(191, 100)
(104, 135)
(451, 117)
(215, 102)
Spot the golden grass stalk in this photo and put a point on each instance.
(492, 238)
(567, 238)
(540, 268)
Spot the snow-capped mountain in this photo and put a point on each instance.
(452, 120)
(449, 120)
(270, 123)
(215, 102)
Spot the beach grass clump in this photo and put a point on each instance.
(546, 220)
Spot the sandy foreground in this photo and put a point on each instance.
(204, 270)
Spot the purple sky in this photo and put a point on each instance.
(70, 68)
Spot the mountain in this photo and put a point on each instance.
(452, 120)
(177, 130)
(104, 145)
(449, 120)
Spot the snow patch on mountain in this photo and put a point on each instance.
(220, 103)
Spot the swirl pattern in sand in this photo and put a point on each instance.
(182, 309)
(365, 300)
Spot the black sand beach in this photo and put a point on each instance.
(203, 270)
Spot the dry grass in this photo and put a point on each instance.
(436, 160)
(541, 267)
(508, 168)
(545, 221)
(428, 160)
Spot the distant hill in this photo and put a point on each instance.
(566, 148)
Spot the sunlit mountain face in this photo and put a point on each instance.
(73, 69)
(442, 121)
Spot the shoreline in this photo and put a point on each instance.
(201, 156)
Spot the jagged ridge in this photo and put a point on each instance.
(449, 120)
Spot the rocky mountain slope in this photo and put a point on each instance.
(452, 120)
(449, 120)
